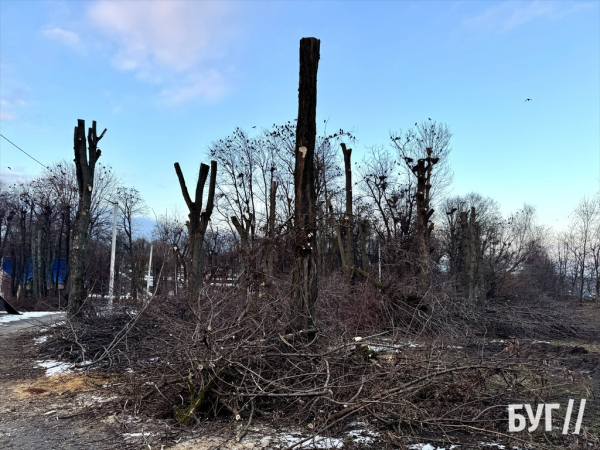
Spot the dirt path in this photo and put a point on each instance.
(46, 413)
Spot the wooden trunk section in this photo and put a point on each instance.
(304, 270)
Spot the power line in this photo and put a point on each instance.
(41, 164)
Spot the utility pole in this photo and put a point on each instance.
(148, 278)
(111, 283)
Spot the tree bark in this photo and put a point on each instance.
(348, 223)
(85, 165)
(363, 230)
(271, 230)
(423, 227)
(472, 257)
(198, 220)
(304, 270)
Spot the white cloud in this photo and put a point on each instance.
(10, 100)
(5, 116)
(14, 174)
(170, 43)
(69, 38)
(208, 85)
(510, 14)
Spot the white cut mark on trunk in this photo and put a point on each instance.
(303, 150)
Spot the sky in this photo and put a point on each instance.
(166, 78)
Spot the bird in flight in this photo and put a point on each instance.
(527, 100)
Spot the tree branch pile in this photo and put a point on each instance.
(210, 361)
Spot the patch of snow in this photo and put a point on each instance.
(429, 447)
(540, 342)
(363, 436)
(493, 444)
(414, 344)
(358, 424)
(40, 340)
(102, 399)
(455, 346)
(136, 435)
(4, 318)
(319, 442)
(54, 367)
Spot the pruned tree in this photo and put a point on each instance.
(86, 157)
(472, 256)
(462, 234)
(413, 145)
(304, 270)
(345, 227)
(423, 225)
(198, 220)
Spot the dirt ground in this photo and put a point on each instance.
(78, 410)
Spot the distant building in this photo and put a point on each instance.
(59, 267)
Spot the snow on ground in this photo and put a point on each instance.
(98, 399)
(5, 318)
(429, 447)
(316, 442)
(54, 367)
(363, 436)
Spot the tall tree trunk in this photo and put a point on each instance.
(39, 264)
(56, 279)
(304, 270)
(349, 215)
(85, 163)
(472, 259)
(198, 220)
(34, 261)
(271, 232)
(363, 230)
(423, 227)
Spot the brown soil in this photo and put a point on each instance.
(69, 411)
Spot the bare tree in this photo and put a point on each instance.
(170, 230)
(131, 204)
(585, 223)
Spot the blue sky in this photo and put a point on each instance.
(168, 77)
